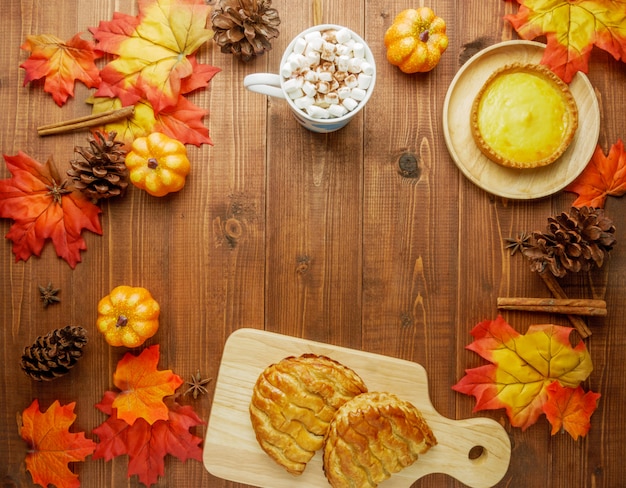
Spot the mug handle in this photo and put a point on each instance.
(264, 83)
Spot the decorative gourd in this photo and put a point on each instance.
(128, 316)
(416, 40)
(158, 164)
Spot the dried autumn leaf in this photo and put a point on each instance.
(522, 368)
(145, 444)
(143, 387)
(572, 28)
(604, 176)
(570, 409)
(61, 64)
(51, 446)
(42, 207)
(152, 51)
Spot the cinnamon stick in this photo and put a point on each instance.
(554, 287)
(87, 121)
(569, 306)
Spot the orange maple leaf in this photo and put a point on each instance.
(572, 28)
(61, 64)
(42, 208)
(183, 121)
(147, 445)
(51, 446)
(603, 176)
(143, 387)
(570, 409)
(522, 368)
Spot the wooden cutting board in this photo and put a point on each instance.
(232, 452)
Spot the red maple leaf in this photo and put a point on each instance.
(572, 28)
(200, 76)
(113, 32)
(603, 176)
(183, 122)
(145, 444)
(42, 207)
(51, 446)
(570, 409)
(61, 64)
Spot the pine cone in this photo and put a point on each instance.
(101, 173)
(54, 354)
(572, 242)
(245, 27)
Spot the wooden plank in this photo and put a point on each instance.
(314, 214)
(331, 242)
(410, 245)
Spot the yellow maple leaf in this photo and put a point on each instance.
(182, 121)
(522, 367)
(155, 50)
(140, 124)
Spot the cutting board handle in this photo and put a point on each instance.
(478, 456)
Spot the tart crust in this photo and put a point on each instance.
(524, 116)
(293, 402)
(372, 436)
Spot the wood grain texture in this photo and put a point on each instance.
(369, 238)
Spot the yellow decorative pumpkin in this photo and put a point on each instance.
(158, 164)
(128, 316)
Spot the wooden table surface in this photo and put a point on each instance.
(337, 245)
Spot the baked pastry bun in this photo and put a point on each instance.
(524, 116)
(371, 437)
(293, 402)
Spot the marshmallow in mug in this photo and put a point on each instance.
(327, 74)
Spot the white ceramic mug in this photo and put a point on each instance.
(274, 84)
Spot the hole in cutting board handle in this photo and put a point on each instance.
(477, 453)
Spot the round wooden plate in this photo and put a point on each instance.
(509, 182)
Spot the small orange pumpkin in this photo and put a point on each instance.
(158, 164)
(416, 40)
(128, 316)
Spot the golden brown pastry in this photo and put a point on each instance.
(371, 437)
(524, 116)
(293, 402)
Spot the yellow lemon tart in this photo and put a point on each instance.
(524, 116)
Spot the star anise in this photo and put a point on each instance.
(48, 295)
(197, 387)
(518, 243)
